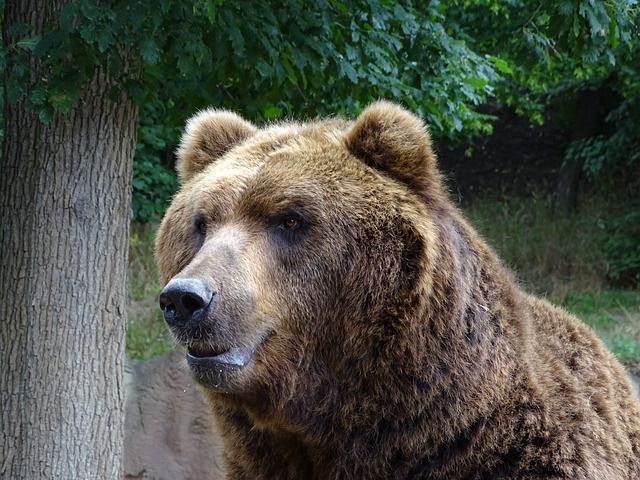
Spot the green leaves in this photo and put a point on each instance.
(444, 60)
(153, 185)
(500, 64)
(153, 182)
(266, 59)
(311, 57)
(29, 43)
(547, 49)
(149, 51)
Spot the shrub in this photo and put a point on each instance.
(622, 248)
(153, 186)
(153, 182)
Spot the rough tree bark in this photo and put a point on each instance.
(64, 229)
(585, 125)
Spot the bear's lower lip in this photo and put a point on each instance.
(201, 355)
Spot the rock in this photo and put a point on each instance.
(169, 430)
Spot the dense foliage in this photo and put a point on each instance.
(557, 49)
(441, 59)
(263, 60)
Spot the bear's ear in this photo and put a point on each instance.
(208, 135)
(391, 139)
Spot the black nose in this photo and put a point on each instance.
(185, 299)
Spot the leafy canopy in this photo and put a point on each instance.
(262, 58)
(318, 56)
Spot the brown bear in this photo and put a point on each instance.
(345, 322)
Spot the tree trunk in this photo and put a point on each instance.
(64, 228)
(586, 121)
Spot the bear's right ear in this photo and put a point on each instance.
(208, 135)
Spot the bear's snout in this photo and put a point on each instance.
(185, 300)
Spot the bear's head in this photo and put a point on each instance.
(296, 238)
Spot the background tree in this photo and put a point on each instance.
(65, 206)
(578, 62)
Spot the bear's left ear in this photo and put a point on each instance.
(208, 135)
(391, 139)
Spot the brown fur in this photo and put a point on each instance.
(388, 340)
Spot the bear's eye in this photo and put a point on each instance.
(290, 223)
(201, 225)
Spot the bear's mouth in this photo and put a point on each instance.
(201, 355)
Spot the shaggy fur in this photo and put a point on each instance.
(385, 339)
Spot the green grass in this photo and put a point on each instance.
(147, 334)
(552, 254)
(615, 316)
(143, 275)
(556, 256)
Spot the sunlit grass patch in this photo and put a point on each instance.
(615, 316)
(627, 350)
(147, 334)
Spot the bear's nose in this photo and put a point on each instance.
(184, 299)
